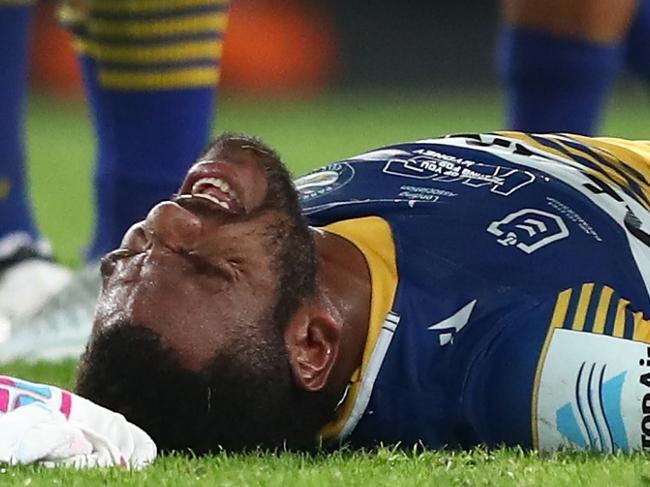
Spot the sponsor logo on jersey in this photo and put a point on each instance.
(592, 394)
(529, 229)
(574, 217)
(596, 402)
(423, 193)
(611, 184)
(451, 325)
(323, 181)
(644, 379)
(436, 166)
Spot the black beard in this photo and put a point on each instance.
(242, 400)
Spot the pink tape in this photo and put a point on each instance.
(66, 404)
(4, 401)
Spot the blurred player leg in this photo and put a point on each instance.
(152, 68)
(638, 42)
(558, 60)
(15, 209)
(23, 254)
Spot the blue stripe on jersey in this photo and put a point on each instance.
(160, 66)
(161, 40)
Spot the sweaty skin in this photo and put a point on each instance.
(202, 276)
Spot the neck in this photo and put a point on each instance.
(344, 280)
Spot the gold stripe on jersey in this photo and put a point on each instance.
(559, 149)
(150, 6)
(615, 176)
(528, 139)
(602, 309)
(583, 306)
(138, 54)
(558, 320)
(598, 309)
(611, 316)
(619, 169)
(634, 154)
(623, 163)
(561, 308)
(641, 328)
(143, 29)
(373, 237)
(161, 80)
(620, 320)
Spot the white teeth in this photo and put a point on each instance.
(199, 186)
(216, 182)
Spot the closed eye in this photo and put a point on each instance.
(208, 267)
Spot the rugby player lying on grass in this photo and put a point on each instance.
(475, 289)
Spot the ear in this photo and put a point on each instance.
(312, 339)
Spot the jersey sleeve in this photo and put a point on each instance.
(579, 381)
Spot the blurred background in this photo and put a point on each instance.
(319, 80)
(342, 45)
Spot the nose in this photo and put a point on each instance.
(173, 226)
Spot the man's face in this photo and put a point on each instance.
(200, 268)
(202, 271)
(188, 334)
(188, 339)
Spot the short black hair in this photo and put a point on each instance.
(244, 399)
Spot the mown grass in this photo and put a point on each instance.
(381, 467)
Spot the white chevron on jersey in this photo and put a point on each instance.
(453, 324)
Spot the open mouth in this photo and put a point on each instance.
(217, 191)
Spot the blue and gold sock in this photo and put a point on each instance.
(554, 83)
(15, 209)
(151, 67)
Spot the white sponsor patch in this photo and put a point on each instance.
(591, 393)
(529, 229)
(323, 181)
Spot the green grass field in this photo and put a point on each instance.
(307, 133)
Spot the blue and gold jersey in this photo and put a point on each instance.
(510, 290)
